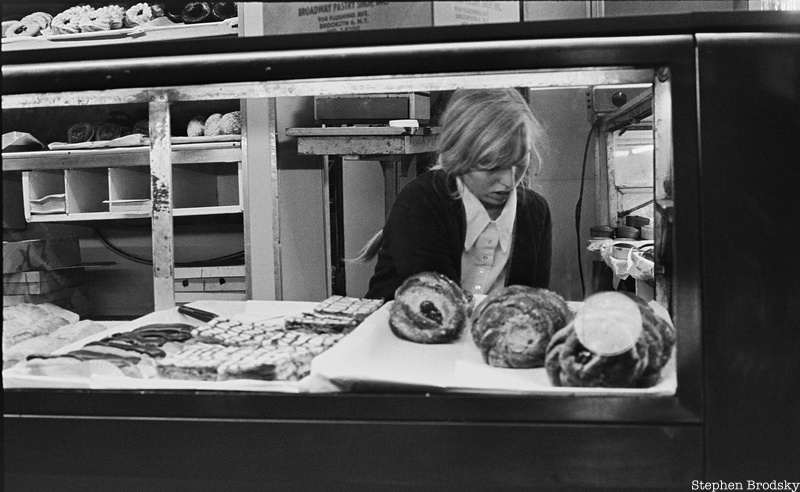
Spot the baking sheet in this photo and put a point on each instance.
(372, 358)
(157, 28)
(84, 378)
(139, 140)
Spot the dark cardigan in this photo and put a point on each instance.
(426, 229)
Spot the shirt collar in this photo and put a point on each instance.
(478, 218)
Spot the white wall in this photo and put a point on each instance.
(301, 199)
(563, 112)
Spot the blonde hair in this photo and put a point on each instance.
(480, 129)
(487, 128)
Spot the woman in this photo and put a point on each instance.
(471, 217)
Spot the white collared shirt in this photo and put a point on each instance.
(487, 246)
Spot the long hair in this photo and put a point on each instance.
(480, 129)
(487, 128)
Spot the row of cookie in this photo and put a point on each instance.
(216, 124)
(84, 18)
(85, 132)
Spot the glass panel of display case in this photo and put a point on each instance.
(567, 176)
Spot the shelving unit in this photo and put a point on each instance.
(206, 180)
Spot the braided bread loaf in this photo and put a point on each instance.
(615, 341)
(512, 327)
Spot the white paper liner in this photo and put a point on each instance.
(139, 140)
(98, 376)
(372, 357)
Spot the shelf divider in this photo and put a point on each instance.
(161, 194)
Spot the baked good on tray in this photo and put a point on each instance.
(68, 21)
(116, 13)
(513, 326)
(95, 21)
(211, 126)
(138, 15)
(195, 12)
(108, 131)
(142, 127)
(195, 126)
(230, 123)
(429, 308)
(235, 333)
(43, 19)
(224, 10)
(81, 132)
(336, 314)
(46, 344)
(21, 28)
(134, 352)
(615, 341)
(24, 321)
(213, 362)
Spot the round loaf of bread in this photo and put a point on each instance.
(230, 123)
(211, 127)
(512, 327)
(603, 351)
(195, 126)
(429, 308)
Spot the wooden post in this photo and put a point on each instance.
(161, 194)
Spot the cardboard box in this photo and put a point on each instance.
(41, 254)
(42, 282)
(311, 17)
(373, 108)
(187, 297)
(70, 298)
(226, 283)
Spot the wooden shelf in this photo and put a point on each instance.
(95, 216)
(119, 157)
(365, 140)
(155, 32)
(206, 180)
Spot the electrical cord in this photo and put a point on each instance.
(578, 207)
(199, 263)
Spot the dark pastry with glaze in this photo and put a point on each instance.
(429, 308)
(108, 131)
(142, 127)
(80, 132)
(196, 12)
(224, 10)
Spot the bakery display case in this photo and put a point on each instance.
(440, 421)
(55, 25)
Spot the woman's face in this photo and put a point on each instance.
(493, 186)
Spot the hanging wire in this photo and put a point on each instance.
(578, 207)
(144, 261)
